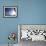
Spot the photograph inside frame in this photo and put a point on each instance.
(10, 11)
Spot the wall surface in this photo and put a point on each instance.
(29, 12)
(7, 25)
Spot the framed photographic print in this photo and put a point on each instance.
(10, 11)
